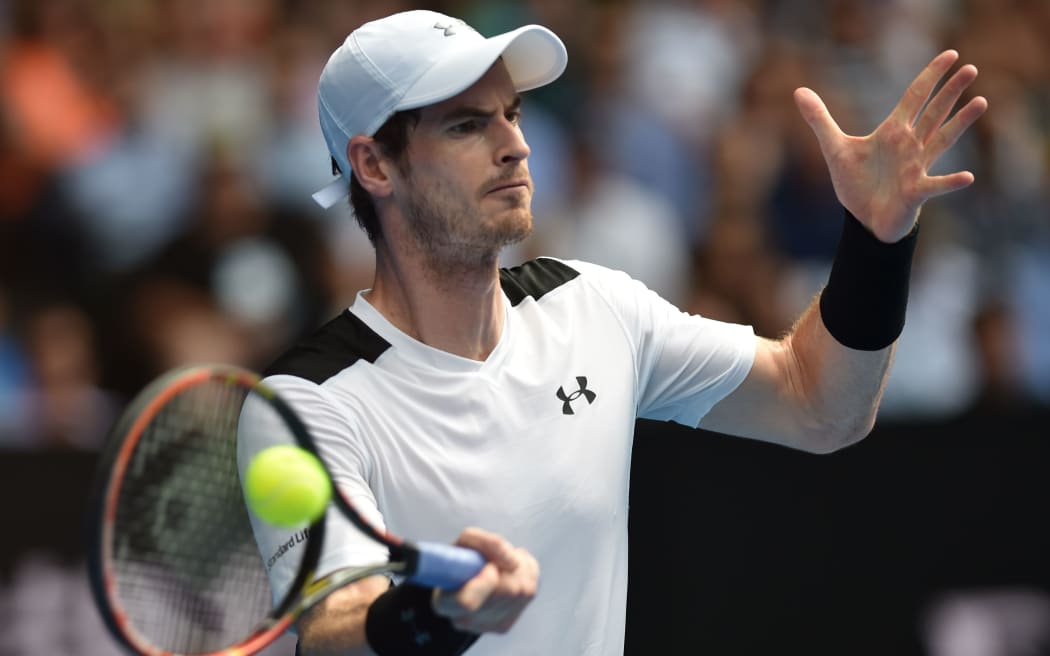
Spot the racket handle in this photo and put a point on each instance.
(445, 566)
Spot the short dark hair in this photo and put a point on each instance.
(392, 137)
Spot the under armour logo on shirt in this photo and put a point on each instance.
(566, 408)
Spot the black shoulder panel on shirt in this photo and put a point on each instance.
(332, 348)
(534, 278)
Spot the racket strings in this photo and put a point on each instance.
(187, 570)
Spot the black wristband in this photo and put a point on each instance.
(864, 302)
(402, 621)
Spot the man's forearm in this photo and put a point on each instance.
(843, 386)
(844, 343)
(336, 627)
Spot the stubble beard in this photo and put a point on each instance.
(453, 238)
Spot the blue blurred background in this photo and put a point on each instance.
(156, 164)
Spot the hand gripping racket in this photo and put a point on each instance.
(173, 562)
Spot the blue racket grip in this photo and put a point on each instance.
(445, 566)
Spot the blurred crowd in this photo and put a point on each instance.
(157, 159)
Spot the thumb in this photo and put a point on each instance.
(817, 116)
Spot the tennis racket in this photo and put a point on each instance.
(173, 561)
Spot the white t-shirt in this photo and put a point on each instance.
(534, 443)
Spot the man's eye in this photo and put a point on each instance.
(465, 127)
(514, 117)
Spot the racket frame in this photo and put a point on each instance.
(304, 592)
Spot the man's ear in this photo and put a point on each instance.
(369, 166)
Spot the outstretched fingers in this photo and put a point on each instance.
(816, 114)
(941, 106)
(918, 92)
(938, 185)
(949, 133)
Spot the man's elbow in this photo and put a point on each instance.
(833, 436)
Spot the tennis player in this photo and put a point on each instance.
(454, 394)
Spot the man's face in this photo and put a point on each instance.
(466, 190)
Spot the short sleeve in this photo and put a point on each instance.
(344, 545)
(684, 363)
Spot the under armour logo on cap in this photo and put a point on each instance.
(450, 28)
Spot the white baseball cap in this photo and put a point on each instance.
(413, 59)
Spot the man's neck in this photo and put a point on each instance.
(458, 310)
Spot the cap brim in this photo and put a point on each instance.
(534, 56)
(331, 193)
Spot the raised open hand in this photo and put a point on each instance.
(882, 178)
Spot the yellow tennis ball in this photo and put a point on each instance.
(287, 486)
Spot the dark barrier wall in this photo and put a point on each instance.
(744, 548)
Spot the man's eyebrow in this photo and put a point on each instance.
(473, 111)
